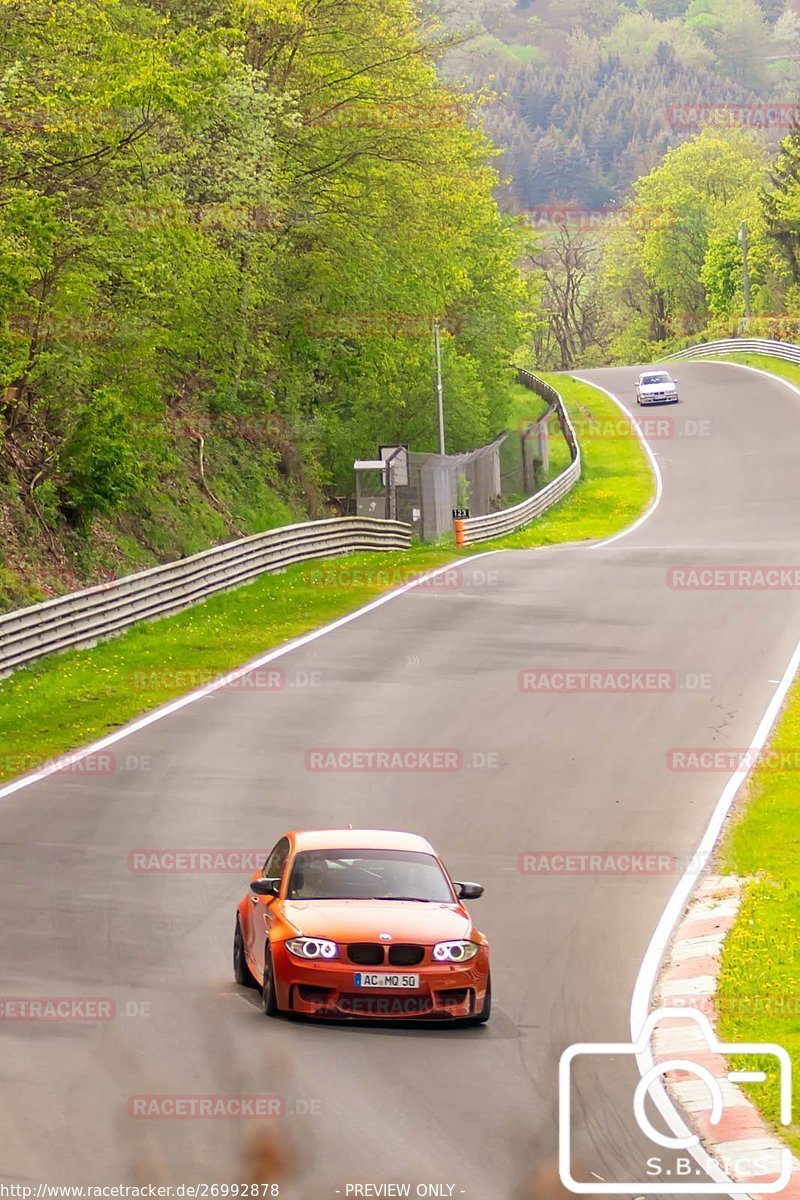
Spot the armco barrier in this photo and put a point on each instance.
(480, 529)
(786, 350)
(82, 618)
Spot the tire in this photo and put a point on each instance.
(269, 997)
(241, 972)
(483, 1016)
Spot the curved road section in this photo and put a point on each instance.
(583, 689)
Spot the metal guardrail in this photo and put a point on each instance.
(785, 350)
(480, 529)
(82, 618)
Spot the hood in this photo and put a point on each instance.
(364, 920)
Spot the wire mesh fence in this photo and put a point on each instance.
(512, 467)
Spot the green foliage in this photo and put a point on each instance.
(99, 465)
(681, 264)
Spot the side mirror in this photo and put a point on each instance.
(469, 891)
(266, 887)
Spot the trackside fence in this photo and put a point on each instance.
(82, 618)
(785, 350)
(480, 529)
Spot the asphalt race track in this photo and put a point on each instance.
(562, 771)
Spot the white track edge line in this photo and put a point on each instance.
(69, 757)
(654, 467)
(656, 950)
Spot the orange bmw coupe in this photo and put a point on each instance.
(361, 923)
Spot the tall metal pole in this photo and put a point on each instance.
(439, 397)
(746, 268)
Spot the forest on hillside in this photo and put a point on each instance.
(587, 95)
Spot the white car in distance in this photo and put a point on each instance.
(656, 387)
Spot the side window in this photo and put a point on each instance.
(273, 868)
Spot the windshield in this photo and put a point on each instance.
(368, 875)
(660, 377)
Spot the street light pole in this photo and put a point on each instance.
(439, 397)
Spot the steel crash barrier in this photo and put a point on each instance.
(82, 618)
(785, 350)
(506, 520)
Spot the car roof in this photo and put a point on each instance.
(358, 839)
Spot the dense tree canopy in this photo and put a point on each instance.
(241, 214)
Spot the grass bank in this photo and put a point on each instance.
(66, 701)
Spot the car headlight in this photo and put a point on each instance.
(308, 947)
(455, 951)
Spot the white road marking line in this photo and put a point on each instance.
(652, 459)
(70, 757)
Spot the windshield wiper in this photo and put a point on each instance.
(418, 899)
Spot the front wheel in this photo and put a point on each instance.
(269, 997)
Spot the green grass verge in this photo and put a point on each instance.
(65, 701)
(759, 986)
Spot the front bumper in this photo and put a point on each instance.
(447, 991)
(660, 398)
